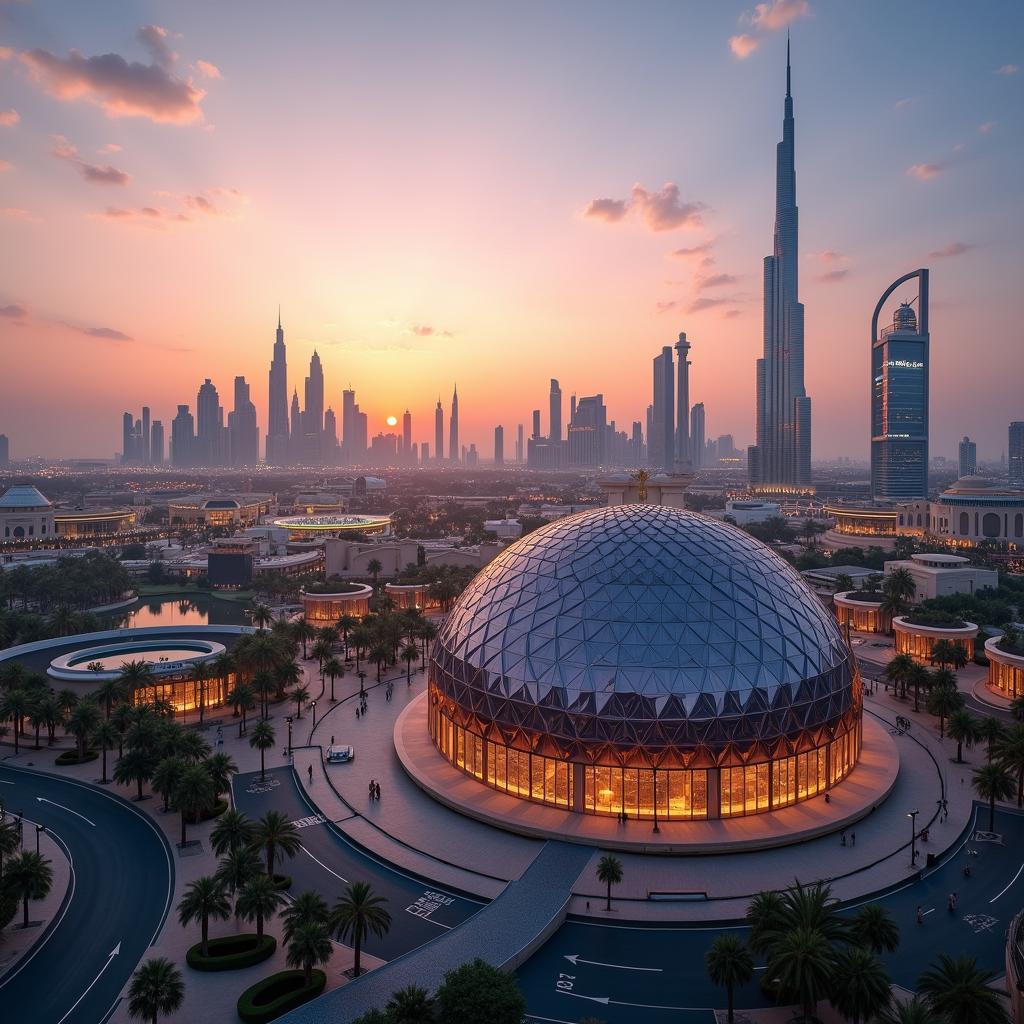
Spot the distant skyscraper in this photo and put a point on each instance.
(209, 425)
(697, 430)
(453, 427)
(243, 429)
(536, 423)
(145, 440)
(439, 431)
(407, 436)
(156, 443)
(295, 438)
(129, 453)
(499, 446)
(1016, 453)
(555, 412)
(899, 397)
(348, 424)
(636, 443)
(313, 411)
(424, 453)
(277, 406)
(968, 457)
(684, 451)
(183, 438)
(661, 442)
(782, 453)
(520, 444)
(5, 450)
(587, 432)
(329, 447)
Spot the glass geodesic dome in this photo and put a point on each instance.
(642, 659)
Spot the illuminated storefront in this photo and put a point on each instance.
(629, 660)
(413, 595)
(919, 640)
(860, 613)
(326, 609)
(1005, 670)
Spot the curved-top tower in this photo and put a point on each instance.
(899, 397)
(781, 457)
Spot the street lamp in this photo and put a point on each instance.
(288, 752)
(312, 704)
(362, 676)
(656, 829)
(39, 829)
(912, 815)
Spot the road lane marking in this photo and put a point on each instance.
(1012, 880)
(53, 803)
(323, 865)
(606, 1000)
(552, 1020)
(110, 957)
(575, 958)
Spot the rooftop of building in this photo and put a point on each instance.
(23, 497)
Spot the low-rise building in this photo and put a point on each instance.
(743, 512)
(917, 636)
(936, 575)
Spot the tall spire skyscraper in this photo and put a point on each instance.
(453, 427)
(439, 431)
(277, 411)
(683, 449)
(782, 455)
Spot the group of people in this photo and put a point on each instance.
(388, 690)
(853, 838)
(374, 789)
(361, 707)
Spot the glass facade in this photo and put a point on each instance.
(920, 645)
(183, 692)
(326, 609)
(1006, 677)
(864, 616)
(644, 658)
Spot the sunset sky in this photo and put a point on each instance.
(498, 194)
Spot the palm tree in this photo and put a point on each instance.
(801, 965)
(105, 737)
(913, 1011)
(920, 679)
(15, 705)
(262, 616)
(900, 585)
(963, 727)
(308, 906)
(361, 638)
(237, 868)
(309, 946)
(358, 913)
(222, 666)
(82, 723)
(192, 795)
(992, 782)
(242, 699)
(1009, 751)
(300, 695)
(204, 898)
(156, 989)
(136, 765)
(166, 776)
(860, 988)
(257, 900)
(201, 674)
(109, 692)
(411, 1005)
(190, 745)
(956, 990)
(992, 731)
(232, 831)
(946, 653)
(220, 767)
(321, 650)
(409, 654)
(135, 676)
(379, 654)
(29, 876)
(729, 964)
(609, 873)
(944, 699)
(346, 623)
(277, 837)
(875, 929)
(332, 669)
(262, 739)
(373, 567)
(10, 841)
(898, 672)
(1017, 708)
(427, 633)
(764, 914)
(304, 631)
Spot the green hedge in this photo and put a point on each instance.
(71, 757)
(273, 996)
(231, 952)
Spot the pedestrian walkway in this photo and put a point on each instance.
(504, 934)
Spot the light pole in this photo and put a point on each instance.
(362, 676)
(913, 836)
(312, 704)
(39, 829)
(288, 753)
(656, 829)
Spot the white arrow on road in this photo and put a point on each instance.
(575, 958)
(43, 800)
(606, 1000)
(110, 959)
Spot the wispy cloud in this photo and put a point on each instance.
(6, 165)
(9, 118)
(1007, 69)
(121, 88)
(700, 252)
(833, 276)
(763, 19)
(835, 266)
(715, 281)
(102, 333)
(662, 210)
(107, 175)
(951, 249)
(906, 101)
(206, 68)
(986, 127)
(925, 172)
(427, 331)
(17, 213)
(150, 216)
(707, 302)
(14, 311)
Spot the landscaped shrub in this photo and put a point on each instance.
(71, 757)
(215, 811)
(282, 882)
(231, 952)
(273, 996)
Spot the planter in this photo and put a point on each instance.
(270, 998)
(71, 757)
(231, 952)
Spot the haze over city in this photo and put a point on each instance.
(497, 196)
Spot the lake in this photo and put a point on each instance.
(193, 610)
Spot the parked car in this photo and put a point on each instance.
(340, 754)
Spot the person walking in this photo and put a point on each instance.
(920, 914)
(311, 775)
(853, 838)
(372, 788)
(376, 791)
(842, 839)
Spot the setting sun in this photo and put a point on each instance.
(392, 421)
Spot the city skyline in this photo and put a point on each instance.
(645, 262)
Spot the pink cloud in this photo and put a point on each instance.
(952, 249)
(664, 307)
(701, 252)
(106, 175)
(743, 45)
(660, 211)
(831, 256)
(16, 213)
(119, 88)
(1007, 69)
(833, 276)
(777, 14)
(9, 118)
(925, 172)
(6, 165)
(610, 210)
(426, 331)
(731, 314)
(905, 102)
(210, 70)
(154, 38)
(14, 311)
(698, 305)
(715, 281)
(985, 128)
(104, 333)
(110, 147)
(150, 216)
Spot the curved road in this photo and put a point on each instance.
(122, 882)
